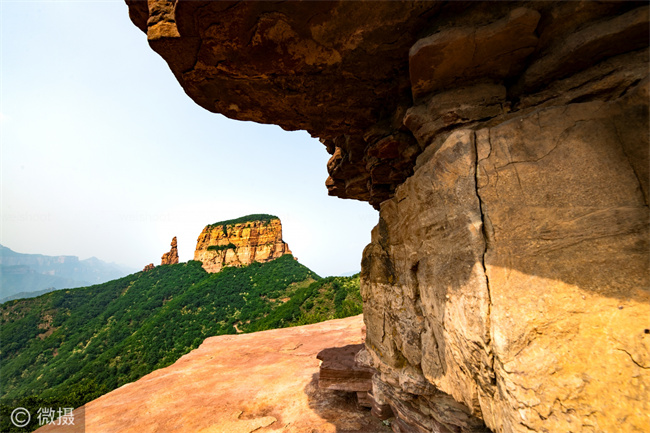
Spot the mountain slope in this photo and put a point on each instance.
(69, 346)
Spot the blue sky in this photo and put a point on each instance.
(103, 154)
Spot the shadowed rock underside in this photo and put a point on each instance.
(505, 144)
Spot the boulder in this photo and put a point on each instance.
(340, 371)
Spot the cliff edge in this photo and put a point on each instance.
(240, 242)
(261, 382)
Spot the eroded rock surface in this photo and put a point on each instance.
(339, 370)
(171, 258)
(262, 382)
(522, 277)
(507, 284)
(240, 244)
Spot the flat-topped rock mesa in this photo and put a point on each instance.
(506, 286)
(240, 242)
(171, 258)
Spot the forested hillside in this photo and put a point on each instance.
(68, 347)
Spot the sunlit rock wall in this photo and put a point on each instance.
(221, 245)
(171, 258)
(511, 272)
(505, 144)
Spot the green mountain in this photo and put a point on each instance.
(67, 347)
(26, 273)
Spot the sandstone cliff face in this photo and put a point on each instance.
(171, 258)
(517, 283)
(506, 145)
(240, 244)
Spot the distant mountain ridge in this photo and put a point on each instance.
(26, 273)
(23, 295)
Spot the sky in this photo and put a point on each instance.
(103, 155)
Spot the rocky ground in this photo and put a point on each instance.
(261, 382)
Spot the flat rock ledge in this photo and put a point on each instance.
(339, 370)
(262, 382)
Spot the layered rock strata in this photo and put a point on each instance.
(171, 258)
(340, 371)
(241, 243)
(506, 145)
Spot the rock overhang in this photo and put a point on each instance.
(466, 95)
(347, 72)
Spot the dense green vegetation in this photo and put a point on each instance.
(68, 347)
(329, 298)
(264, 218)
(230, 246)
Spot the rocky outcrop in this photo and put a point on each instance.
(506, 146)
(148, 267)
(171, 258)
(339, 370)
(240, 242)
(260, 382)
(534, 260)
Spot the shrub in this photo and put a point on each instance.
(230, 246)
(264, 218)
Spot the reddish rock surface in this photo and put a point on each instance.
(262, 382)
(339, 370)
(148, 267)
(341, 70)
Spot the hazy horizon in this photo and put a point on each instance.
(103, 155)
